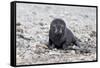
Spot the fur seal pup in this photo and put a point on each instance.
(60, 36)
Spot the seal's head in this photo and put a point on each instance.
(58, 26)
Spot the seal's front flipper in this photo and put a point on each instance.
(77, 44)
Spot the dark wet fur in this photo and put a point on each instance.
(60, 36)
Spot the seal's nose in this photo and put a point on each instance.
(60, 31)
(56, 31)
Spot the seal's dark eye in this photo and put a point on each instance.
(54, 27)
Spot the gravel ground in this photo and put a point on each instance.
(32, 29)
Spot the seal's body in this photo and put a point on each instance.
(60, 36)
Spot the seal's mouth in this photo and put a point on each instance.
(58, 34)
